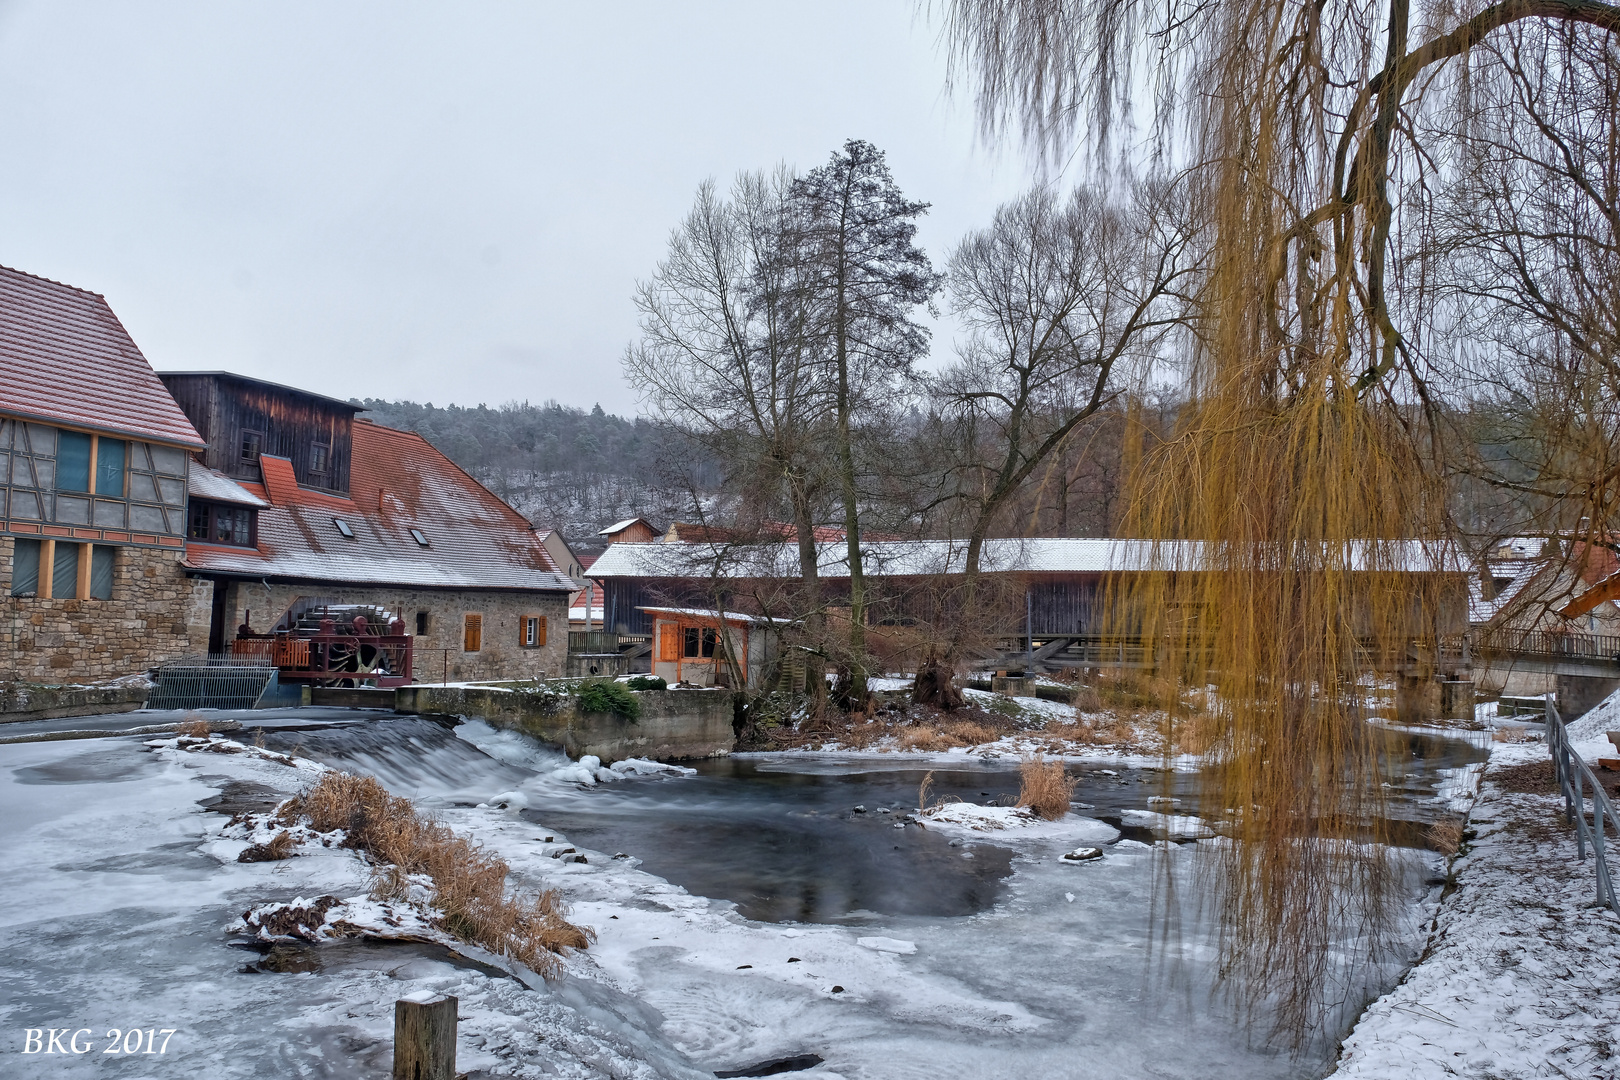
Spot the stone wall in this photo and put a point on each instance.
(674, 725)
(502, 655)
(156, 614)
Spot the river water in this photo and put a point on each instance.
(740, 926)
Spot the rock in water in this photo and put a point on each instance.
(1082, 854)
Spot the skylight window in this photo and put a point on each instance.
(343, 527)
(416, 534)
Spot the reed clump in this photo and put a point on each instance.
(469, 883)
(1044, 787)
(946, 736)
(192, 729)
(1446, 836)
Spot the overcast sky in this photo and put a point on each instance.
(445, 202)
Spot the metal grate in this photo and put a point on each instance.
(219, 681)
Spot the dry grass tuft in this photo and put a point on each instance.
(946, 735)
(280, 847)
(1044, 787)
(469, 883)
(1446, 836)
(1101, 729)
(193, 729)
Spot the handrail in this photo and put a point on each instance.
(1574, 774)
(1553, 643)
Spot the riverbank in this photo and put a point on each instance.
(1521, 977)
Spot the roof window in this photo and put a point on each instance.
(343, 527)
(416, 534)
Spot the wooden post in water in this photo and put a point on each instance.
(425, 1039)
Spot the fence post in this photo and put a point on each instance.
(425, 1039)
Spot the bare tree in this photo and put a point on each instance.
(1059, 300)
(728, 352)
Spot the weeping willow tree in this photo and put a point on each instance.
(1307, 477)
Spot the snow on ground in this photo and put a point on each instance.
(1522, 974)
(115, 912)
(1011, 824)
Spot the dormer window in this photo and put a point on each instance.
(252, 444)
(416, 534)
(343, 527)
(320, 458)
(217, 523)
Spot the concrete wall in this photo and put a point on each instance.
(20, 701)
(1579, 694)
(501, 657)
(156, 614)
(673, 725)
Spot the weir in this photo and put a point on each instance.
(673, 725)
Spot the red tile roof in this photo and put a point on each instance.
(397, 482)
(65, 358)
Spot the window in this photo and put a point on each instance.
(72, 461)
(472, 633)
(65, 570)
(669, 643)
(252, 444)
(533, 631)
(110, 457)
(216, 523)
(320, 456)
(699, 643)
(343, 527)
(25, 568)
(102, 559)
(421, 623)
(416, 534)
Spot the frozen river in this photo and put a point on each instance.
(756, 914)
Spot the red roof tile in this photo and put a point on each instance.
(65, 358)
(398, 482)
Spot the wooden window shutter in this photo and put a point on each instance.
(472, 638)
(532, 631)
(669, 643)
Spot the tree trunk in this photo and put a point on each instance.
(853, 691)
(815, 668)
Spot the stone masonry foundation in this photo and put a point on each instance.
(156, 614)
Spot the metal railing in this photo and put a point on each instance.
(1574, 777)
(1550, 643)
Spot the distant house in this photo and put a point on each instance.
(691, 646)
(567, 561)
(94, 461)
(629, 531)
(305, 515)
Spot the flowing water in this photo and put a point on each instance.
(799, 838)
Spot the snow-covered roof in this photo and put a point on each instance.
(400, 485)
(917, 558)
(711, 613)
(620, 526)
(215, 486)
(1518, 573)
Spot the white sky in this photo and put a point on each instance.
(442, 202)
